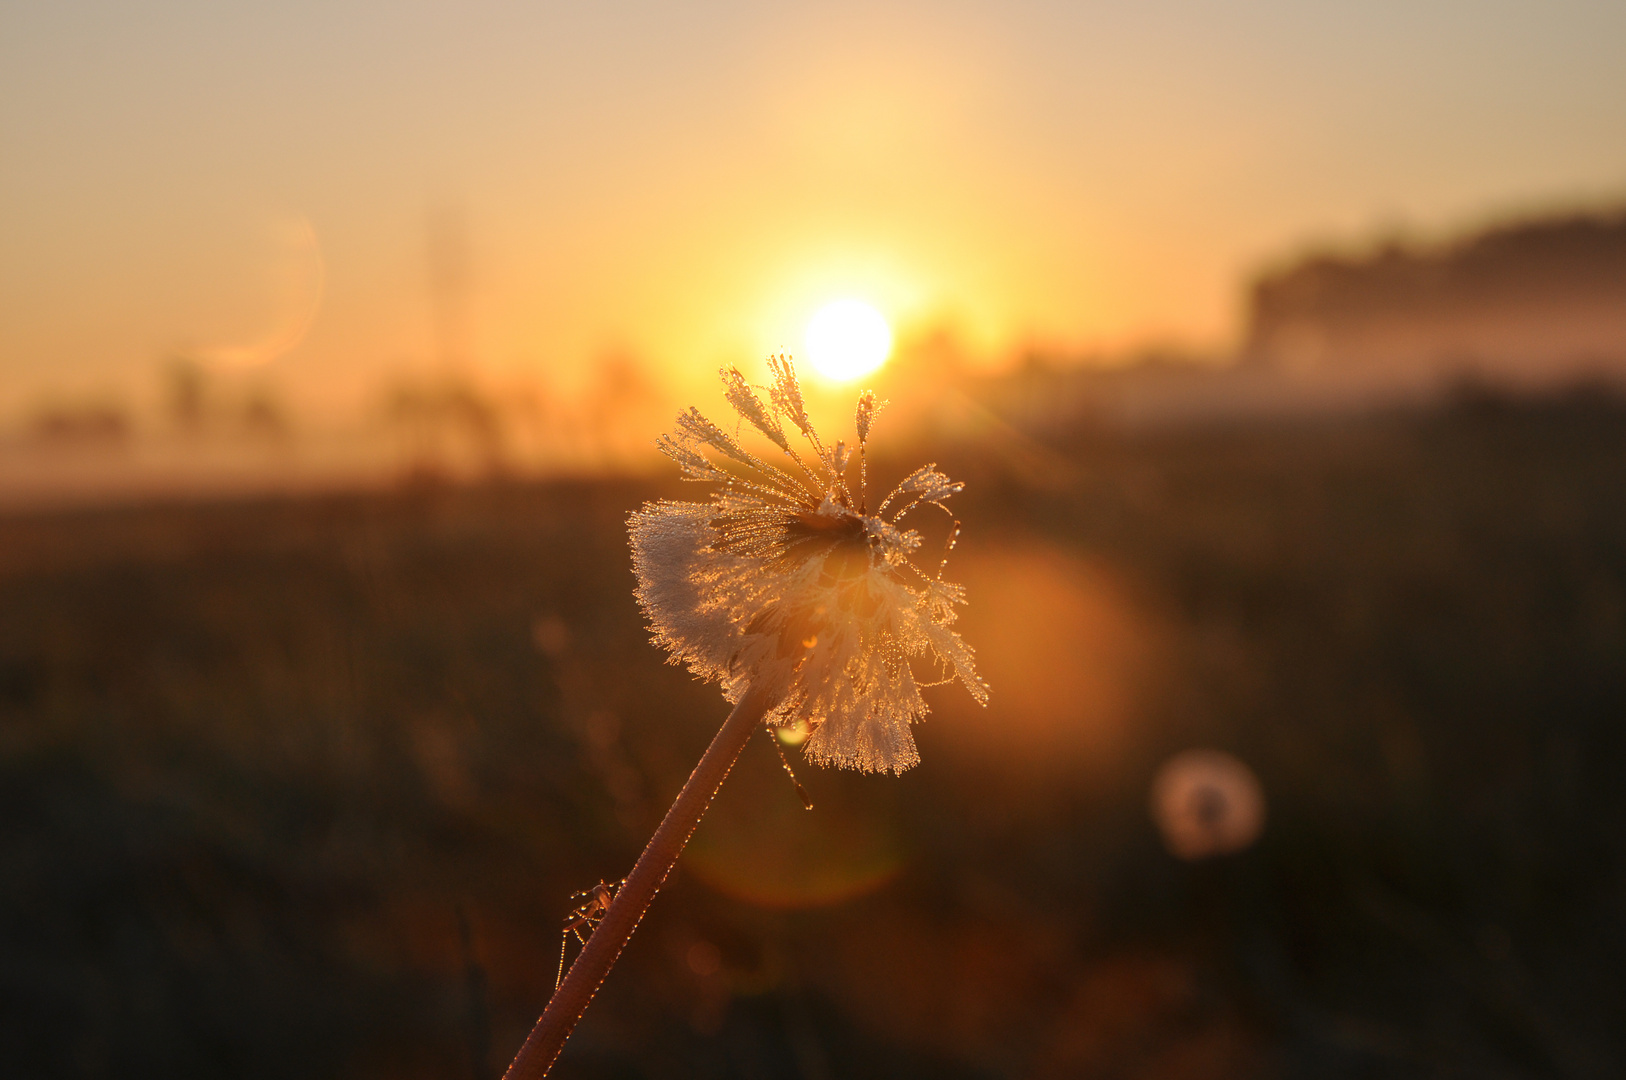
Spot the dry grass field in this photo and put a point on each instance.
(301, 787)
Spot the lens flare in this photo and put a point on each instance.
(846, 339)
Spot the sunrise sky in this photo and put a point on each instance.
(260, 185)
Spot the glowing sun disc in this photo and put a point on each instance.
(846, 339)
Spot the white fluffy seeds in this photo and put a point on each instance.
(783, 575)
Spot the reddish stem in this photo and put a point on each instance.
(587, 974)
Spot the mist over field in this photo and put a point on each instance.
(1528, 306)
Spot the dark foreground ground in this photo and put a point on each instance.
(301, 788)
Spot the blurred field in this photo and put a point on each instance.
(301, 787)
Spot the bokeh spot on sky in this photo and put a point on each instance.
(689, 183)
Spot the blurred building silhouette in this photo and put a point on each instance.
(1528, 302)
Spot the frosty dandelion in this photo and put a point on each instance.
(806, 605)
(786, 578)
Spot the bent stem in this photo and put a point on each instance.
(587, 974)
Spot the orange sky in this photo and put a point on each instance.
(256, 186)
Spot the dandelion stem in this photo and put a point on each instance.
(587, 974)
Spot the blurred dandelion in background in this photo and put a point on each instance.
(1207, 803)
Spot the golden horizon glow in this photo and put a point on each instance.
(847, 339)
(952, 168)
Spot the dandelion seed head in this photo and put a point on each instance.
(783, 575)
(867, 408)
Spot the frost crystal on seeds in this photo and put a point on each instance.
(784, 575)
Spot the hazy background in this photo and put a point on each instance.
(327, 195)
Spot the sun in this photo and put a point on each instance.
(846, 339)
